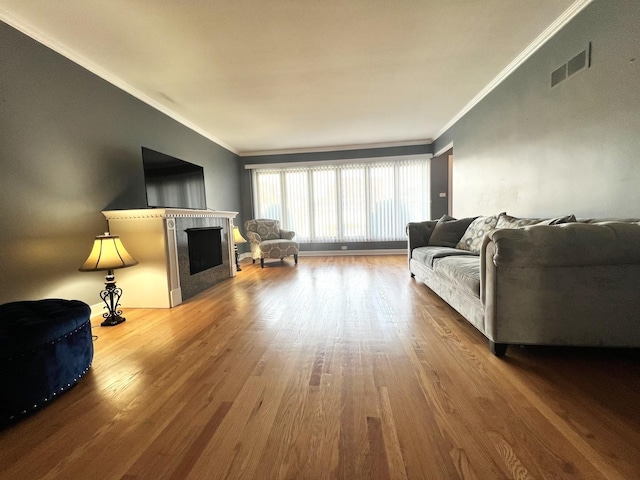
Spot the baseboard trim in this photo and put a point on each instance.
(341, 253)
(97, 309)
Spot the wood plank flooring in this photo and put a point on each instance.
(337, 368)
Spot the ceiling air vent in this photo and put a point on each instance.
(577, 63)
(559, 75)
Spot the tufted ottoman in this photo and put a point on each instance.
(45, 347)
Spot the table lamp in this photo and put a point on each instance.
(237, 238)
(108, 253)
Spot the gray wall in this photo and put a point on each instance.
(536, 151)
(70, 147)
(247, 195)
(439, 177)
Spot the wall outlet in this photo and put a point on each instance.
(344, 247)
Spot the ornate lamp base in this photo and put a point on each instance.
(238, 269)
(111, 298)
(112, 320)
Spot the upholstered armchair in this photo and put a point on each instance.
(268, 240)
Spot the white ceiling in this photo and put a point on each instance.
(260, 76)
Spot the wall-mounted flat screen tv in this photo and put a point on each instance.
(171, 182)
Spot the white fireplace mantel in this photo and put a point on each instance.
(156, 238)
(166, 213)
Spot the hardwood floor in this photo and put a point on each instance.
(336, 368)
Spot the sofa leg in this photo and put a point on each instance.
(254, 261)
(295, 259)
(262, 263)
(498, 349)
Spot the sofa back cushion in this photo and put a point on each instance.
(419, 233)
(448, 231)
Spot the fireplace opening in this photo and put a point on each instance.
(205, 248)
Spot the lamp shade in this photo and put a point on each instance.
(108, 253)
(237, 237)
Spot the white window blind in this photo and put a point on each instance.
(359, 202)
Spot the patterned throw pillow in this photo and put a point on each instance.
(472, 238)
(559, 220)
(507, 221)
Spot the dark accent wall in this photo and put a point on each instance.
(247, 194)
(70, 148)
(533, 150)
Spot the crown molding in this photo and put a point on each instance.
(448, 146)
(335, 148)
(543, 38)
(41, 37)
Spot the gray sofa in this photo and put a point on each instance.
(573, 284)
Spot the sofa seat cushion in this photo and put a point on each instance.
(464, 271)
(426, 255)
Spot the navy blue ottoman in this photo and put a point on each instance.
(45, 347)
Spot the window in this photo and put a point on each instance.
(357, 202)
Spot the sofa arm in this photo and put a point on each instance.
(569, 244)
(419, 233)
(287, 234)
(570, 284)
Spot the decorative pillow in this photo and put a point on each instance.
(559, 220)
(448, 231)
(507, 221)
(472, 238)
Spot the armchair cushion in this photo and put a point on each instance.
(278, 248)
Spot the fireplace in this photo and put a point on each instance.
(205, 248)
(171, 245)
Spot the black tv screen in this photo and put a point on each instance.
(171, 182)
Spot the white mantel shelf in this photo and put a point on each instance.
(154, 237)
(166, 213)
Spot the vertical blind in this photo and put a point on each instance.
(345, 202)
